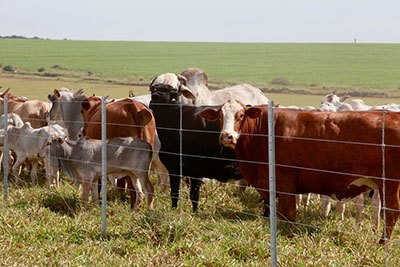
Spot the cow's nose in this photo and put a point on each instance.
(226, 136)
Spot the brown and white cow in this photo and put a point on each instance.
(316, 152)
(32, 111)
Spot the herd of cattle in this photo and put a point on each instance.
(183, 129)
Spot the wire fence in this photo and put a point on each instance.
(182, 154)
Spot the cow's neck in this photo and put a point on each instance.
(65, 162)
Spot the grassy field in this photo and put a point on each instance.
(48, 228)
(40, 227)
(309, 67)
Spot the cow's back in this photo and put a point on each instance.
(123, 120)
(325, 151)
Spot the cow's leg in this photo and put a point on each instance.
(287, 206)
(50, 172)
(34, 169)
(376, 208)
(305, 200)
(148, 189)
(359, 206)
(266, 207)
(86, 187)
(56, 175)
(139, 192)
(1, 159)
(16, 167)
(175, 183)
(95, 191)
(340, 208)
(121, 185)
(392, 210)
(326, 205)
(195, 183)
(131, 191)
(161, 171)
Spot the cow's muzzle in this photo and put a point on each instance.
(228, 140)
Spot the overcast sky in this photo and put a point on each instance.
(376, 21)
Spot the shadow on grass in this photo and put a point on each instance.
(61, 204)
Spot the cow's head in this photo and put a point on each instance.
(334, 99)
(66, 110)
(168, 88)
(231, 116)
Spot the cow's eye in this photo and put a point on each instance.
(241, 116)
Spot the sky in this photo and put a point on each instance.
(326, 21)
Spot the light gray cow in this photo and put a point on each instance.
(13, 119)
(30, 144)
(126, 156)
(193, 84)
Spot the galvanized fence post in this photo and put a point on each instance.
(384, 237)
(103, 168)
(272, 185)
(5, 149)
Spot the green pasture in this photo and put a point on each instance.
(365, 67)
(40, 88)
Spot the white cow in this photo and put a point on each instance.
(13, 119)
(193, 82)
(126, 156)
(31, 144)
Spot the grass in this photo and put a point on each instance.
(310, 67)
(41, 227)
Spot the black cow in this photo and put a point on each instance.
(202, 155)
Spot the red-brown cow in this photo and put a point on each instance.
(316, 152)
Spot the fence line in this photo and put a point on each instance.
(271, 163)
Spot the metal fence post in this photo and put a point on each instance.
(103, 168)
(272, 186)
(384, 237)
(5, 149)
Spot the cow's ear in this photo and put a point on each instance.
(152, 81)
(27, 124)
(210, 114)
(78, 93)
(253, 112)
(186, 92)
(182, 79)
(57, 93)
(146, 116)
(86, 104)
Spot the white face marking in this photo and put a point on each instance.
(231, 112)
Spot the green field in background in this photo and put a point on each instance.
(371, 66)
